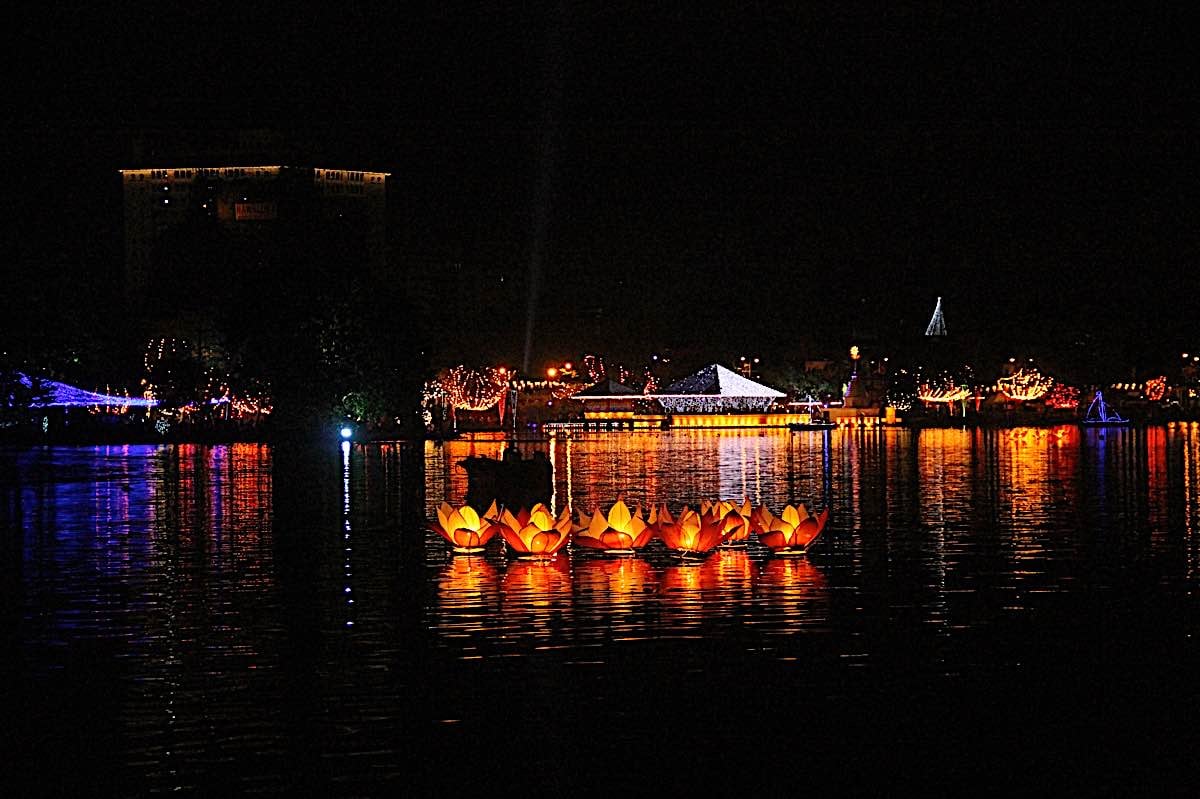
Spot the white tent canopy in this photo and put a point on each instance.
(715, 389)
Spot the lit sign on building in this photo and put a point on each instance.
(254, 211)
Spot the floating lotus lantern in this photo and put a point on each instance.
(619, 532)
(792, 531)
(692, 533)
(535, 533)
(464, 528)
(735, 520)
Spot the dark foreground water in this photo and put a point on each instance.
(996, 612)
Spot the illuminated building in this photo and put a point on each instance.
(712, 397)
(203, 221)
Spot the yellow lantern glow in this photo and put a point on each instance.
(735, 519)
(535, 533)
(791, 532)
(464, 528)
(620, 531)
(692, 533)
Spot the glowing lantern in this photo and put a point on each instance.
(1025, 385)
(792, 531)
(536, 533)
(692, 533)
(735, 520)
(465, 529)
(621, 531)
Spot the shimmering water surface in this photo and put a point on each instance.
(992, 610)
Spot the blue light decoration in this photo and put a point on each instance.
(346, 433)
(61, 394)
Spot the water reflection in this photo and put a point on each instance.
(231, 619)
(794, 595)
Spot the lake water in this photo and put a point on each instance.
(987, 611)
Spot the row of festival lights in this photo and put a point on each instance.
(480, 389)
(537, 533)
(218, 393)
(462, 388)
(1029, 385)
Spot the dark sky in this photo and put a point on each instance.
(757, 173)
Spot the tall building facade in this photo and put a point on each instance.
(204, 224)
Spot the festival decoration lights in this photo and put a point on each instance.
(535, 533)
(945, 393)
(1025, 385)
(1156, 388)
(1063, 397)
(619, 532)
(791, 532)
(474, 389)
(61, 394)
(464, 528)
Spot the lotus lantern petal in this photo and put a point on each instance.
(535, 532)
(792, 531)
(464, 528)
(692, 533)
(620, 531)
(735, 519)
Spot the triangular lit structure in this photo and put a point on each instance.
(715, 389)
(937, 325)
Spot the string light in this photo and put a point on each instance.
(1156, 388)
(474, 389)
(945, 392)
(1063, 397)
(1025, 385)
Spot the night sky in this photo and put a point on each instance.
(747, 176)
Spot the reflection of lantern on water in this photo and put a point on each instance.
(791, 532)
(464, 528)
(691, 534)
(536, 533)
(797, 575)
(794, 588)
(538, 580)
(614, 577)
(735, 520)
(537, 593)
(468, 594)
(620, 531)
(733, 568)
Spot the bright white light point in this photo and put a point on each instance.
(347, 432)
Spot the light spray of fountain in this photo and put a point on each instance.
(547, 168)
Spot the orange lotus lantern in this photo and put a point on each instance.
(535, 533)
(793, 531)
(619, 532)
(464, 528)
(735, 520)
(692, 533)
